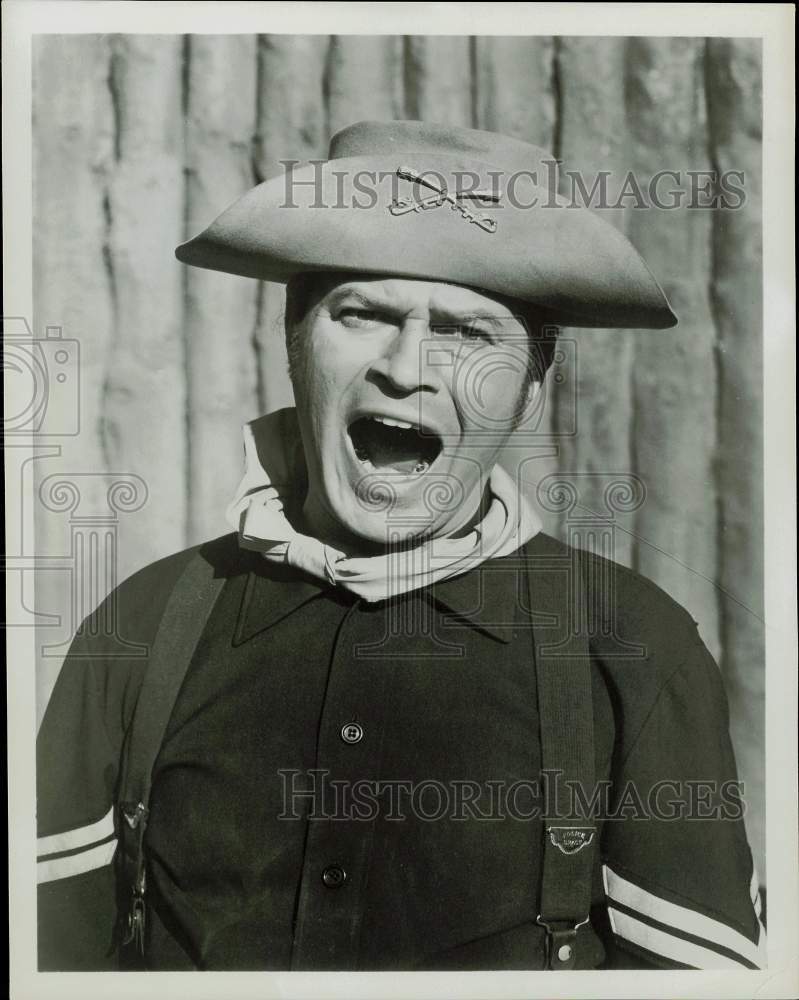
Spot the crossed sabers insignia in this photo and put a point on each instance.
(402, 206)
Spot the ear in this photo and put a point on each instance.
(534, 390)
(528, 401)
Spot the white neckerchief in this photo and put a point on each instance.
(275, 467)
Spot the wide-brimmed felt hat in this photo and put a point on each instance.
(438, 202)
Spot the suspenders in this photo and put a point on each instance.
(567, 746)
(184, 619)
(563, 677)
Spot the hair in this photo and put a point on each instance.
(303, 290)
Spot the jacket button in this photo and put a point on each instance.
(352, 732)
(333, 876)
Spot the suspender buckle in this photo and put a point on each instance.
(136, 819)
(561, 945)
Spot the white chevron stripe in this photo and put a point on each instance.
(681, 918)
(754, 885)
(83, 836)
(661, 943)
(757, 902)
(76, 864)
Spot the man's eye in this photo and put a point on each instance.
(477, 333)
(464, 331)
(353, 316)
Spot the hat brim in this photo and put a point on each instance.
(564, 259)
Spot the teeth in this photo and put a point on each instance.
(394, 423)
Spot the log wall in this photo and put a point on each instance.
(142, 140)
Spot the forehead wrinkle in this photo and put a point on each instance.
(346, 291)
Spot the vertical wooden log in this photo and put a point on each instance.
(438, 79)
(734, 118)
(513, 87)
(220, 309)
(674, 377)
(364, 79)
(514, 95)
(291, 124)
(73, 139)
(593, 138)
(144, 406)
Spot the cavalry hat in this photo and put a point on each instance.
(420, 200)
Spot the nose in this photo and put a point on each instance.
(403, 366)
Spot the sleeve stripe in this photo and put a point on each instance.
(682, 919)
(683, 935)
(674, 948)
(83, 836)
(754, 885)
(76, 864)
(754, 892)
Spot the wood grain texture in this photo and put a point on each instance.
(514, 87)
(291, 125)
(364, 79)
(735, 114)
(74, 124)
(514, 93)
(674, 373)
(593, 139)
(220, 309)
(146, 357)
(73, 120)
(439, 79)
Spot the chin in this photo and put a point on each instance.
(380, 510)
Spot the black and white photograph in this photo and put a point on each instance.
(400, 499)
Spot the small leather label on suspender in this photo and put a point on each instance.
(571, 839)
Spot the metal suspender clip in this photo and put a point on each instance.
(137, 821)
(561, 942)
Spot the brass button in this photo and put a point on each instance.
(564, 953)
(352, 732)
(333, 876)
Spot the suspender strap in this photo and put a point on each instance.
(563, 675)
(184, 619)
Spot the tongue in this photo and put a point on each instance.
(391, 447)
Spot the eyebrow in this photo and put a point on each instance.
(443, 317)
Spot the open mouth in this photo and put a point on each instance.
(384, 443)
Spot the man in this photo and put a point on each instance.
(389, 723)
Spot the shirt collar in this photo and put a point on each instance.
(484, 598)
(271, 593)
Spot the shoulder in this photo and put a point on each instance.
(222, 554)
(107, 659)
(664, 691)
(139, 600)
(630, 591)
(632, 622)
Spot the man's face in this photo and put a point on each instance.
(406, 391)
